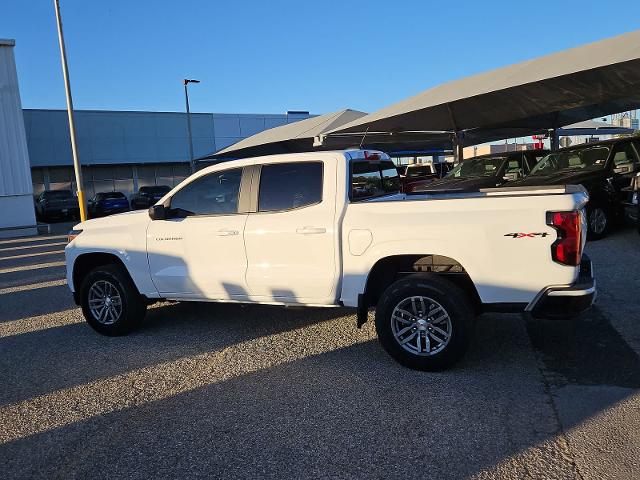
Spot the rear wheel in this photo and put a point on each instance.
(110, 301)
(598, 221)
(424, 322)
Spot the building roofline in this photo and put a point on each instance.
(274, 115)
(7, 42)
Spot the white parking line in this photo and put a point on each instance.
(32, 286)
(32, 239)
(28, 255)
(31, 267)
(26, 247)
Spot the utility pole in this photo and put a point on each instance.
(72, 130)
(186, 100)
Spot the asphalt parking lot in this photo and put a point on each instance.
(206, 390)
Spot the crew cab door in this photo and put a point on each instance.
(291, 238)
(198, 250)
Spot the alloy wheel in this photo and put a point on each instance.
(421, 325)
(105, 302)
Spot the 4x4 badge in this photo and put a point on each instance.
(525, 235)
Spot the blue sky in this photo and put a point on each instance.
(273, 56)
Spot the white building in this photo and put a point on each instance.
(17, 215)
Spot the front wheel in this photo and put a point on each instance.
(424, 322)
(110, 301)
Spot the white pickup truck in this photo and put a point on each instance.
(331, 229)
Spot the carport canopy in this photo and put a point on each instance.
(531, 97)
(292, 137)
(593, 127)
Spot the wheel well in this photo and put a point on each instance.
(388, 270)
(88, 261)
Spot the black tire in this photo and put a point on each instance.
(596, 213)
(133, 306)
(443, 294)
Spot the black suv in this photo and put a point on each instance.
(148, 196)
(484, 171)
(605, 169)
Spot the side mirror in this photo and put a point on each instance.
(158, 212)
(511, 176)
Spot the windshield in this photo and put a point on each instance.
(372, 179)
(113, 196)
(589, 159)
(59, 194)
(419, 171)
(477, 167)
(155, 190)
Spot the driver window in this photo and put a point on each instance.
(624, 154)
(213, 194)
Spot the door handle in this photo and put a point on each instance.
(311, 230)
(227, 233)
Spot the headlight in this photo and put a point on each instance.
(72, 235)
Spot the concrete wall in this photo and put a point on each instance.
(17, 215)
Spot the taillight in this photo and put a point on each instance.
(567, 249)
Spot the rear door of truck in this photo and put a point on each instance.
(290, 240)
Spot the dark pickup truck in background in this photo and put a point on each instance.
(56, 205)
(148, 196)
(605, 169)
(484, 171)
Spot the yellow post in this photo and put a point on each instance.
(82, 203)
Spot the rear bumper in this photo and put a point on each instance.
(566, 301)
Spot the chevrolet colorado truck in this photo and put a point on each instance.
(331, 229)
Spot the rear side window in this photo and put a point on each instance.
(372, 179)
(213, 194)
(285, 186)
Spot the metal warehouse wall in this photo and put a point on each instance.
(17, 216)
(15, 177)
(121, 137)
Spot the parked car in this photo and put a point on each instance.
(148, 196)
(56, 204)
(330, 229)
(483, 171)
(603, 168)
(108, 203)
(425, 172)
(631, 202)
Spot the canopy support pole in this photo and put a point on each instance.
(554, 139)
(458, 147)
(456, 140)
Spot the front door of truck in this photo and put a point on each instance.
(291, 238)
(198, 251)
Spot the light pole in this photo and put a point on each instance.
(72, 128)
(186, 82)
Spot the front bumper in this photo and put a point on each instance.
(566, 301)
